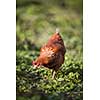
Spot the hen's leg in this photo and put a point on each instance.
(53, 74)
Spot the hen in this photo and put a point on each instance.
(52, 54)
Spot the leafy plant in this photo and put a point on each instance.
(35, 23)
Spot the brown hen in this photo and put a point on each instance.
(52, 54)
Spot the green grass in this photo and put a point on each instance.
(36, 22)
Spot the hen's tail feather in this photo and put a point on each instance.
(57, 30)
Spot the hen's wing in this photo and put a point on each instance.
(48, 53)
(51, 56)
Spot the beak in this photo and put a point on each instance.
(35, 66)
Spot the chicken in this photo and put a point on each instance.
(52, 54)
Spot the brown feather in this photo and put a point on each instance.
(52, 54)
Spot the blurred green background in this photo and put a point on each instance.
(36, 21)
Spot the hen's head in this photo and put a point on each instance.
(36, 64)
